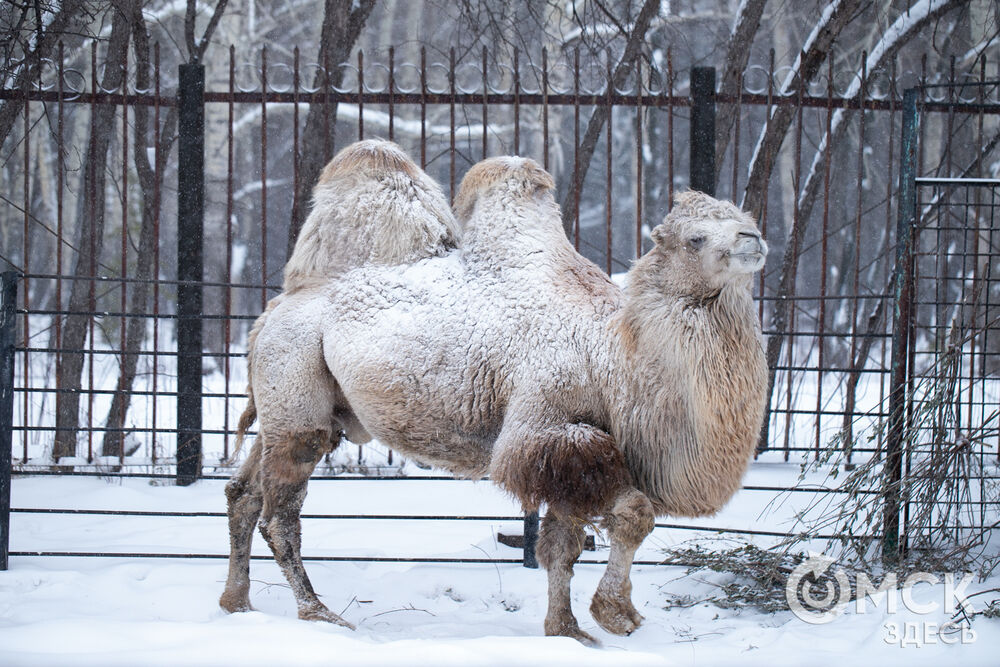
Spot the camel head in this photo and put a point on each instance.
(702, 246)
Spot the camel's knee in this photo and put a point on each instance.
(560, 543)
(631, 518)
(286, 464)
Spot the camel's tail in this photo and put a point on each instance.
(247, 419)
(372, 205)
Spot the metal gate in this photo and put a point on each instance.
(941, 459)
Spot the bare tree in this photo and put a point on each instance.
(737, 56)
(635, 37)
(893, 39)
(89, 242)
(343, 21)
(151, 181)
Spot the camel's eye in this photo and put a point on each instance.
(696, 242)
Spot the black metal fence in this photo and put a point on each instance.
(98, 259)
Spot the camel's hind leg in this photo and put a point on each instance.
(628, 523)
(559, 545)
(244, 501)
(286, 466)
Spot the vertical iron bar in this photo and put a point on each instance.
(607, 162)
(60, 175)
(638, 159)
(486, 90)
(796, 222)
(517, 103)
(888, 226)
(576, 146)
(26, 264)
(423, 107)
(545, 109)
(92, 289)
(902, 296)
(8, 331)
(702, 162)
(392, 101)
(821, 325)
(190, 230)
(295, 134)
(859, 177)
(670, 129)
(451, 116)
(227, 327)
(122, 321)
(263, 177)
(157, 166)
(361, 91)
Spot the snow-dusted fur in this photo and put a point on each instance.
(513, 355)
(372, 205)
(366, 181)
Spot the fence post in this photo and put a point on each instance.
(8, 299)
(190, 231)
(902, 298)
(530, 540)
(702, 167)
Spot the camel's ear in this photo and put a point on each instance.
(662, 236)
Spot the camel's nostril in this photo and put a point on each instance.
(749, 235)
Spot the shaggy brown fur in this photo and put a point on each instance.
(576, 469)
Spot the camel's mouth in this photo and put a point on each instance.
(751, 261)
(750, 252)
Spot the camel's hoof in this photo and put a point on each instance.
(615, 613)
(568, 628)
(234, 602)
(319, 612)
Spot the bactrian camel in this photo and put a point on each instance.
(483, 343)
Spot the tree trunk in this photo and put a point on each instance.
(633, 50)
(834, 18)
(341, 27)
(150, 182)
(901, 32)
(90, 236)
(737, 55)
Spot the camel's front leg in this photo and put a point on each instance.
(559, 545)
(628, 523)
(286, 466)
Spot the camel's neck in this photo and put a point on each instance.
(691, 400)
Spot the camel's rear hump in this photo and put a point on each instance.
(372, 205)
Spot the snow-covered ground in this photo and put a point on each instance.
(137, 611)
